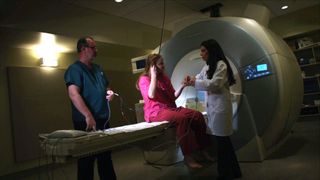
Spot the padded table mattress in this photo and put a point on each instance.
(61, 147)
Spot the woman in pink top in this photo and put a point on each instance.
(159, 105)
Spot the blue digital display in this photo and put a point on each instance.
(262, 67)
(256, 71)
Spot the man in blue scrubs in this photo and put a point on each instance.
(87, 89)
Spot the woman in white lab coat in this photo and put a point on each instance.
(215, 78)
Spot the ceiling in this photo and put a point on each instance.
(151, 11)
(66, 17)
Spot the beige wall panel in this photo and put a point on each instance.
(38, 104)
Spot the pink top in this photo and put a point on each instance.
(164, 96)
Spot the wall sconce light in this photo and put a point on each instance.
(48, 62)
(47, 50)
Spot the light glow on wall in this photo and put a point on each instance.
(47, 50)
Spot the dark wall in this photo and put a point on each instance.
(114, 59)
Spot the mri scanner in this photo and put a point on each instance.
(268, 94)
(266, 98)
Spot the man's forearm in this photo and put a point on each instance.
(80, 105)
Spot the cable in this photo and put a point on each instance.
(109, 115)
(162, 27)
(122, 108)
(122, 111)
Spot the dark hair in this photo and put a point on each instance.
(82, 42)
(216, 54)
(150, 61)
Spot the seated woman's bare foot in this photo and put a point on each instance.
(190, 162)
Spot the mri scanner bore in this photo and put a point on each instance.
(268, 93)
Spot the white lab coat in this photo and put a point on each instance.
(219, 107)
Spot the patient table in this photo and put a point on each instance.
(68, 144)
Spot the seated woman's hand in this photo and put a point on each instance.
(188, 81)
(192, 81)
(153, 71)
(185, 81)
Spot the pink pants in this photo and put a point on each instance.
(190, 128)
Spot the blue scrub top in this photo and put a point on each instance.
(93, 85)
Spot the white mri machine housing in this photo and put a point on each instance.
(266, 100)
